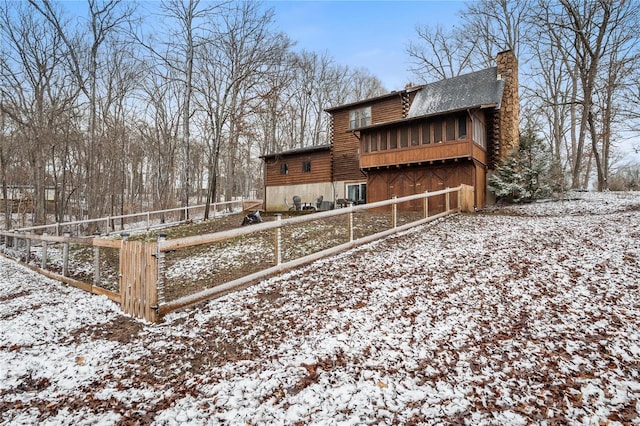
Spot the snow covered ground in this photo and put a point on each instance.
(518, 315)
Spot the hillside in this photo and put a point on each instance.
(517, 315)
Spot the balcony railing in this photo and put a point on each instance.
(424, 154)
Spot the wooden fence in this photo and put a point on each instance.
(142, 264)
(18, 247)
(141, 221)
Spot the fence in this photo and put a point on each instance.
(139, 221)
(19, 245)
(141, 265)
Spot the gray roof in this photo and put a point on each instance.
(306, 149)
(477, 89)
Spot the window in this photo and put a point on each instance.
(404, 137)
(383, 140)
(451, 128)
(393, 139)
(365, 116)
(365, 143)
(437, 132)
(357, 193)
(462, 126)
(415, 135)
(374, 142)
(306, 167)
(479, 132)
(284, 169)
(359, 118)
(426, 133)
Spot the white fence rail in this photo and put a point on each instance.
(135, 221)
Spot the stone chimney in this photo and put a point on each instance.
(509, 114)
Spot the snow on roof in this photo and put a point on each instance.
(458, 93)
(519, 315)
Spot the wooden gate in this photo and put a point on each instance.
(138, 280)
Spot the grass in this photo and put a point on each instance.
(196, 268)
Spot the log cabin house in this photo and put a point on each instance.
(422, 138)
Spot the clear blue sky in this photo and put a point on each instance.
(370, 34)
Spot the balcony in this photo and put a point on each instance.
(424, 154)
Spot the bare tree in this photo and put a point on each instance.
(602, 33)
(6, 157)
(440, 54)
(159, 128)
(497, 25)
(106, 18)
(362, 85)
(579, 58)
(36, 91)
(243, 49)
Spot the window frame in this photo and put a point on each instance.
(425, 137)
(462, 118)
(359, 117)
(437, 131)
(361, 190)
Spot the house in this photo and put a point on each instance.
(303, 172)
(422, 138)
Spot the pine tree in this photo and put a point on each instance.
(524, 175)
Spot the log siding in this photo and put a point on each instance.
(318, 161)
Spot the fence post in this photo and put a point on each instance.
(350, 222)
(277, 247)
(148, 220)
(394, 213)
(44, 252)
(160, 256)
(65, 255)
(57, 229)
(27, 250)
(459, 198)
(96, 262)
(446, 200)
(426, 204)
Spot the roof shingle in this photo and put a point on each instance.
(466, 91)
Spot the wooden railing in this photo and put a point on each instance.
(139, 221)
(142, 264)
(423, 153)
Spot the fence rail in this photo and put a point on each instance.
(140, 221)
(141, 268)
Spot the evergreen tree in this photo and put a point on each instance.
(525, 175)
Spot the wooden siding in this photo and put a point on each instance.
(383, 184)
(480, 186)
(390, 109)
(346, 143)
(320, 168)
(345, 147)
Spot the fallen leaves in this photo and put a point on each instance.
(482, 318)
